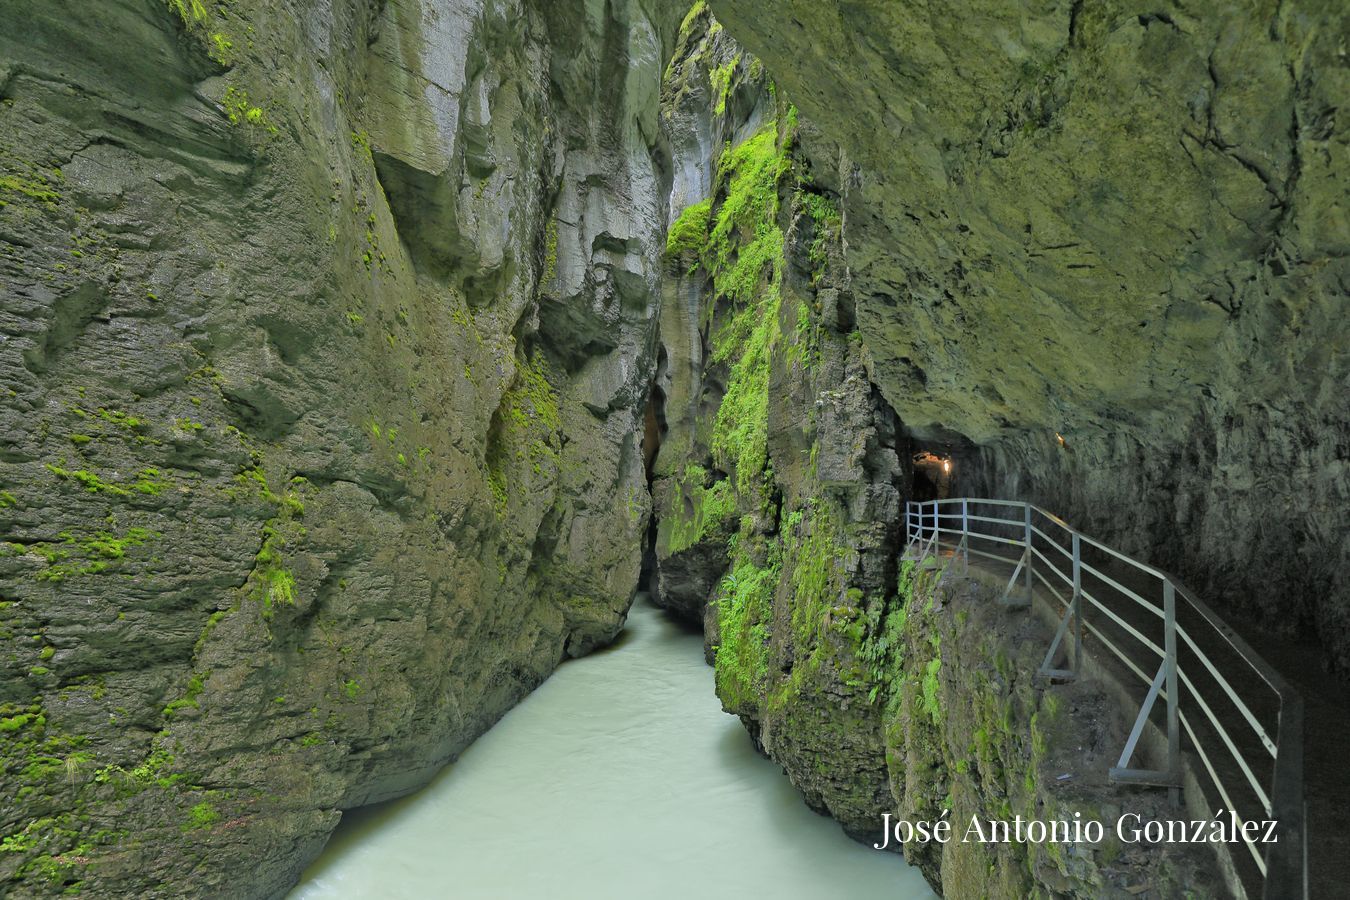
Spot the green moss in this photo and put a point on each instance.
(194, 689)
(687, 25)
(272, 583)
(713, 507)
(531, 399)
(203, 815)
(121, 419)
(351, 688)
(34, 190)
(721, 79)
(90, 481)
(931, 704)
(88, 556)
(7, 500)
(550, 252)
(114, 547)
(744, 607)
(815, 553)
(497, 486)
(192, 12)
(239, 110)
(689, 231)
(148, 481)
(275, 584)
(881, 652)
(745, 237)
(526, 429)
(744, 252)
(14, 723)
(212, 621)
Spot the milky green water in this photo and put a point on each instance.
(619, 777)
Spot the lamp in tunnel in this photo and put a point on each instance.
(946, 466)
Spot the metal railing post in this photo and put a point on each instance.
(1173, 699)
(1077, 605)
(1026, 518)
(965, 536)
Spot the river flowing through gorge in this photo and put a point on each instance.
(619, 777)
(362, 360)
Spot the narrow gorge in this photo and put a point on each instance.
(365, 361)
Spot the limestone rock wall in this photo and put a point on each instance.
(1121, 224)
(325, 333)
(776, 493)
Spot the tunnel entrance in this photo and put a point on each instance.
(932, 476)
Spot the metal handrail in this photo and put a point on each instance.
(1283, 864)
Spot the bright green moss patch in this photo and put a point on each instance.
(14, 723)
(526, 429)
(106, 544)
(743, 251)
(121, 419)
(740, 439)
(87, 556)
(721, 79)
(712, 508)
(744, 606)
(815, 552)
(34, 190)
(275, 584)
(531, 399)
(689, 232)
(203, 815)
(239, 110)
(192, 12)
(691, 17)
(89, 480)
(550, 252)
(189, 699)
(148, 481)
(272, 583)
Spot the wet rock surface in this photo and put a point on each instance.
(1124, 226)
(328, 328)
(324, 342)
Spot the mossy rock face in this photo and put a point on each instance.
(326, 340)
(775, 503)
(1128, 229)
(880, 687)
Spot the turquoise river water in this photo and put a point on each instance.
(619, 777)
